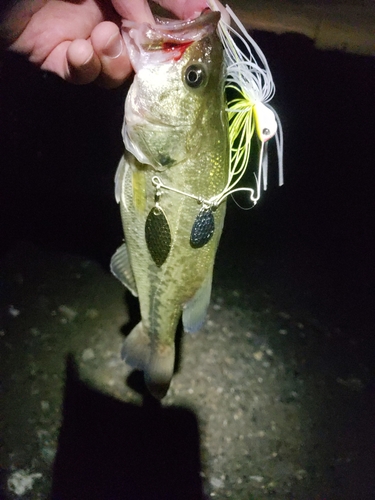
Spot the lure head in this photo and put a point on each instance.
(265, 122)
(179, 77)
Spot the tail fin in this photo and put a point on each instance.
(158, 374)
(157, 364)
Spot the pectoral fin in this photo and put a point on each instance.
(195, 311)
(119, 179)
(121, 268)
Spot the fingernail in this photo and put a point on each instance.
(114, 46)
(88, 60)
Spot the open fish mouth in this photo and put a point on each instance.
(177, 30)
(167, 39)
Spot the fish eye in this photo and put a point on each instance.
(195, 76)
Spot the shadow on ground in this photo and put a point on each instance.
(114, 450)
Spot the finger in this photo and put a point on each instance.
(74, 61)
(135, 10)
(184, 9)
(57, 22)
(83, 65)
(111, 51)
(15, 16)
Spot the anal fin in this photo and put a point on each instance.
(195, 311)
(136, 348)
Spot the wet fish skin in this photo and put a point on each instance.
(178, 132)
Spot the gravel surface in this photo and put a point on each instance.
(261, 407)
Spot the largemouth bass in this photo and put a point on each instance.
(175, 165)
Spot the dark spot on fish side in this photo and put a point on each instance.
(165, 160)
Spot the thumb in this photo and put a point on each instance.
(134, 10)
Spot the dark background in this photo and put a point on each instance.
(60, 144)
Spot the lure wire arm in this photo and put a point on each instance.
(159, 185)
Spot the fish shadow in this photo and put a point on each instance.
(111, 450)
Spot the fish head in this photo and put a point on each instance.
(178, 82)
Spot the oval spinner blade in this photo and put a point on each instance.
(158, 235)
(203, 228)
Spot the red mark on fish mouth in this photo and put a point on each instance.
(177, 48)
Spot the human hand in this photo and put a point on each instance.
(80, 40)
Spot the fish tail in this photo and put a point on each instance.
(159, 372)
(157, 364)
